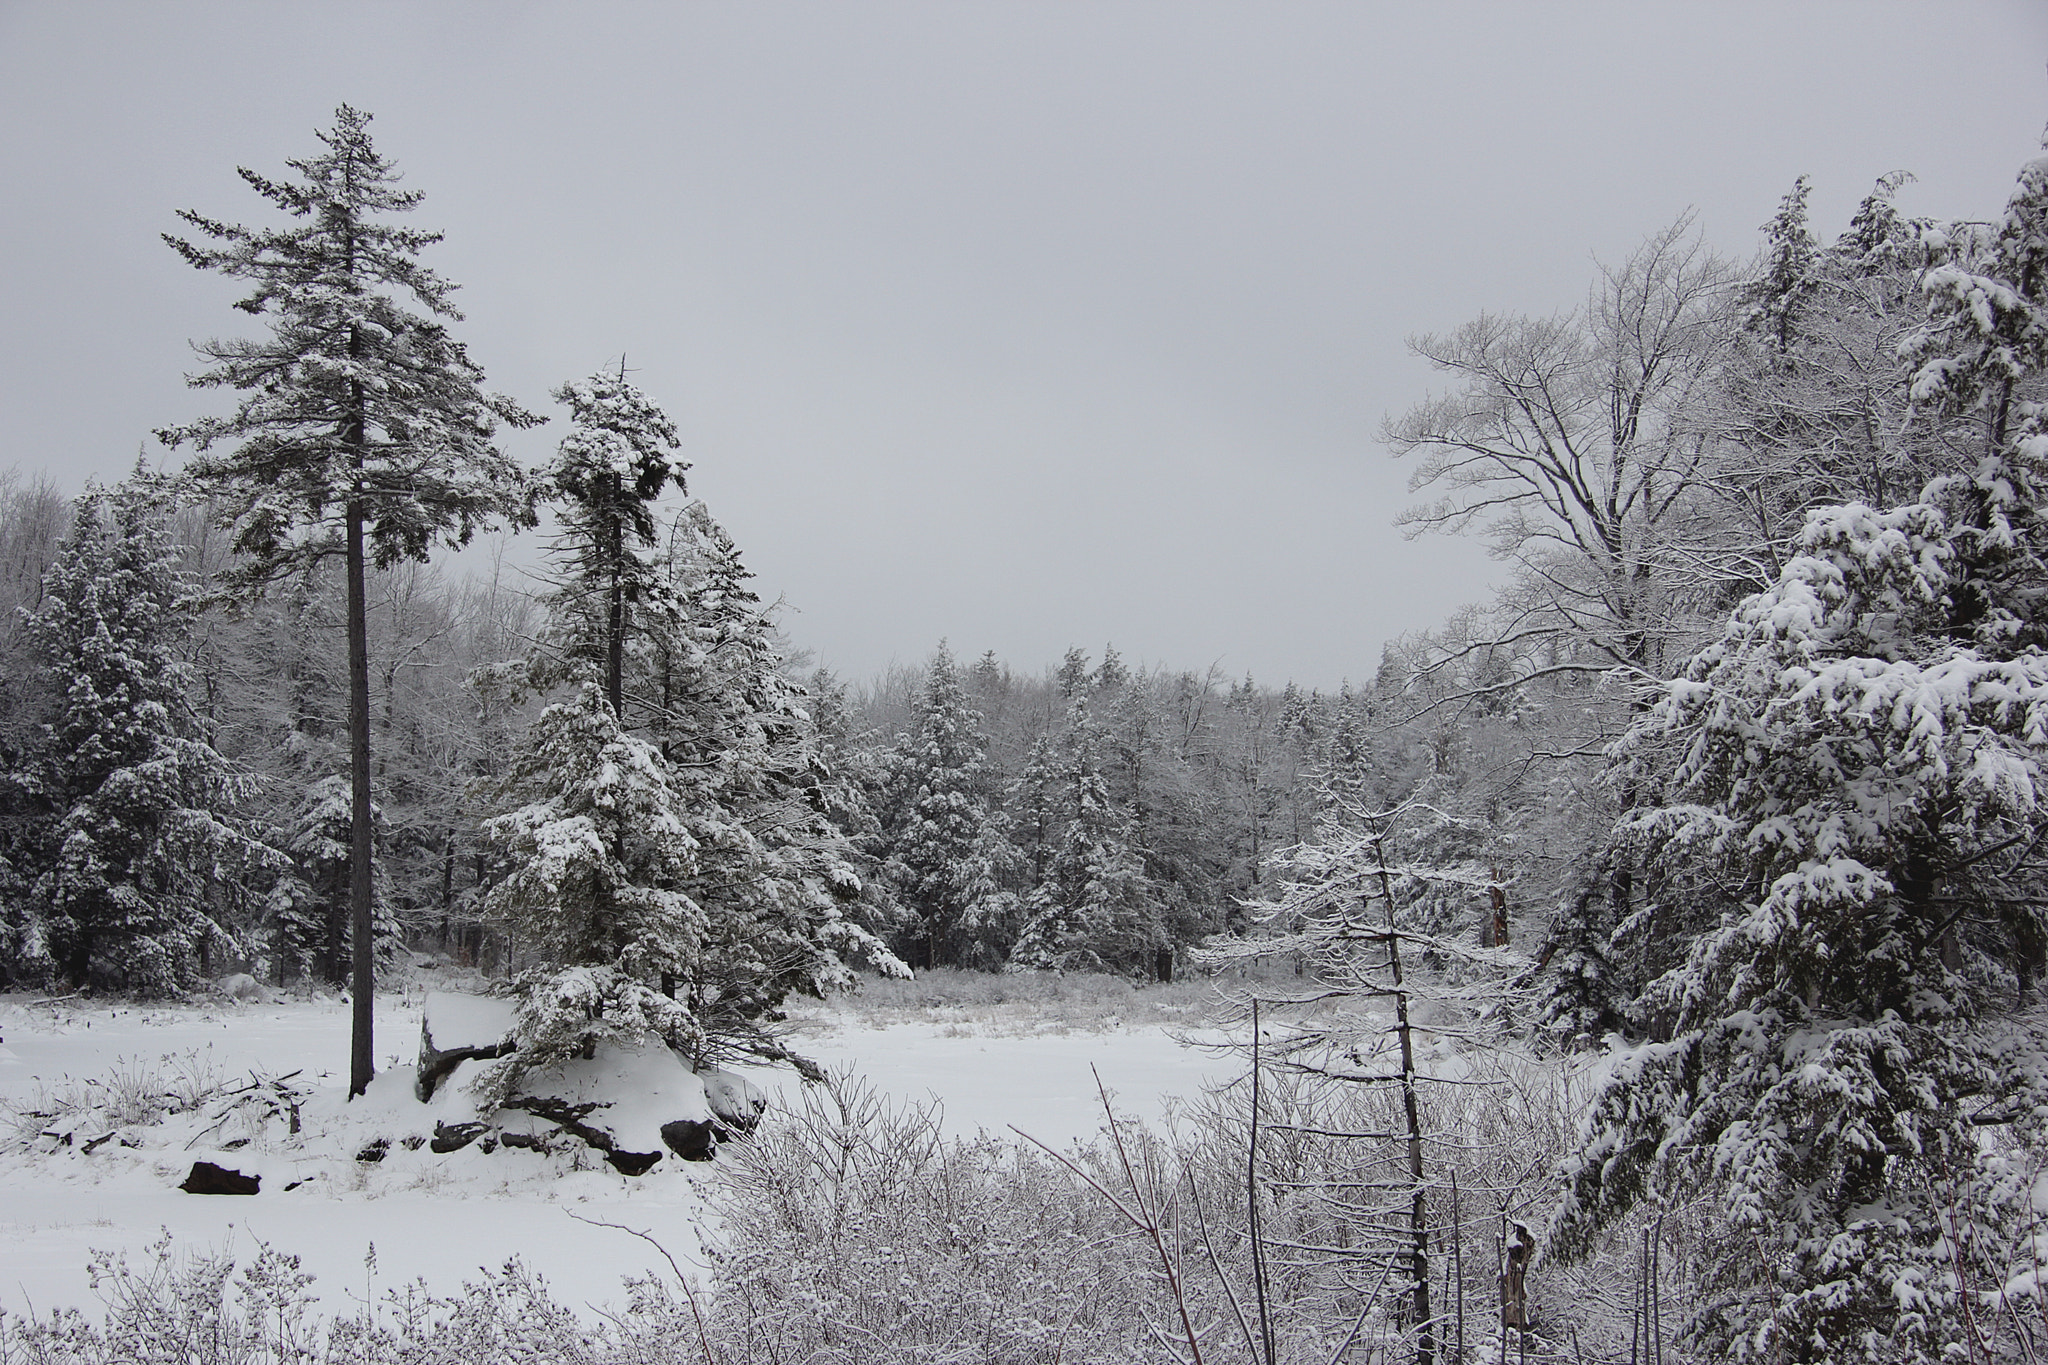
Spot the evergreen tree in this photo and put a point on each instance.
(950, 854)
(310, 929)
(776, 879)
(32, 518)
(1861, 762)
(608, 473)
(1094, 910)
(143, 859)
(1780, 294)
(1813, 400)
(1866, 789)
(602, 850)
(852, 793)
(676, 876)
(365, 431)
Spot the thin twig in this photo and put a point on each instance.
(1148, 1224)
(1251, 1344)
(689, 1291)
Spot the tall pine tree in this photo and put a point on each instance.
(364, 431)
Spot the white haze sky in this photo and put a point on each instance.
(1026, 325)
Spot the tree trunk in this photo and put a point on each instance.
(362, 976)
(615, 619)
(1418, 1212)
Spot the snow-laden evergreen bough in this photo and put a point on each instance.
(1837, 1062)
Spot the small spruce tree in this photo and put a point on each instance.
(1094, 910)
(949, 852)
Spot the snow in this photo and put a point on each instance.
(443, 1217)
(1042, 1083)
(641, 1088)
(460, 1019)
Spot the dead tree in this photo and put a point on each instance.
(1367, 1176)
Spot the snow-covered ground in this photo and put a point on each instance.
(442, 1217)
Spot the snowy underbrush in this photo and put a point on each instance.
(134, 1093)
(855, 1229)
(1009, 1003)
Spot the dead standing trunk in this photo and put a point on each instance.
(1418, 1213)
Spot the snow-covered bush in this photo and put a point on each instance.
(856, 1229)
(133, 1092)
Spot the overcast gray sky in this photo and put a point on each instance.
(1020, 324)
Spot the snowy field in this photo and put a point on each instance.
(442, 1217)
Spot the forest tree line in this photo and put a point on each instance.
(1140, 802)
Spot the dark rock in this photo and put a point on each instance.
(375, 1151)
(453, 1137)
(207, 1178)
(531, 1142)
(691, 1139)
(632, 1163)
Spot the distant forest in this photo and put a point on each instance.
(1141, 803)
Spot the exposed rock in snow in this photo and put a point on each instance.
(453, 1137)
(691, 1139)
(207, 1178)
